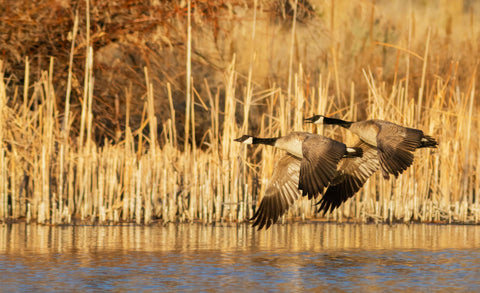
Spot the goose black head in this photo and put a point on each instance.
(316, 119)
(246, 139)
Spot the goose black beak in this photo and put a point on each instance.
(242, 138)
(311, 119)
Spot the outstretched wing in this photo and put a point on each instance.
(351, 176)
(319, 164)
(395, 148)
(281, 192)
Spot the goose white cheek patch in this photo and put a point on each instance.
(352, 151)
(248, 140)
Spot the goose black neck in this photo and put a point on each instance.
(334, 121)
(268, 141)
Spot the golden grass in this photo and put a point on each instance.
(51, 174)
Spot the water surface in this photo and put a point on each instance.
(293, 258)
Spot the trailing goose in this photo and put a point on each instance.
(394, 143)
(307, 168)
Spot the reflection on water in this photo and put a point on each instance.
(293, 257)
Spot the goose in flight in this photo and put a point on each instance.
(307, 168)
(394, 144)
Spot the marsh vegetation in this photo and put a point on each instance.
(128, 112)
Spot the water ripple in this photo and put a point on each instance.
(291, 258)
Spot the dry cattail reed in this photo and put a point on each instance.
(118, 183)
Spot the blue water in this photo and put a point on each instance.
(290, 258)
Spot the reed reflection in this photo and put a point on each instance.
(313, 237)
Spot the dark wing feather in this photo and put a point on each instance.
(395, 148)
(351, 176)
(319, 164)
(281, 192)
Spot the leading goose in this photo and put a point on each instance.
(394, 143)
(307, 168)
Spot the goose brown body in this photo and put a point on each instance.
(351, 176)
